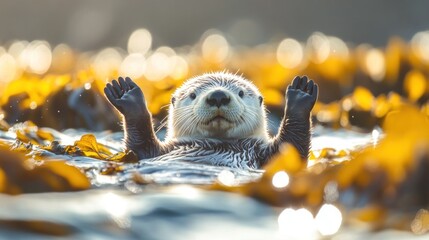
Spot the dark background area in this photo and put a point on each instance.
(92, 24)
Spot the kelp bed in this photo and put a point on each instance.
(366, 176)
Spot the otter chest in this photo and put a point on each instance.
(243, 153)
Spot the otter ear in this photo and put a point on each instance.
(173, 100)
(261, 99)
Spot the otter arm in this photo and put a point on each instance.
(296, 124)
(139, 135)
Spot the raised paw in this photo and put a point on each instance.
(301, 96)
(126, 97)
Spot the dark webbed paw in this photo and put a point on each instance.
(127, 98)
(301, 96)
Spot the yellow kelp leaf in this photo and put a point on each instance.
(415, 85)
(363, 98)
(393, 52)
(42, 227)
(406, 135)
(425, 109)
(91, 148)
(112, 168)
(23, 176)
(405, 120)
(395, 100)
(288, 160)
(4, 126)
(45, 135)
(21, 136)
(2, 181)
(38, 89)
(381, 107)
(28, 132)
(370, 214)
(125, 157)
(76, 179)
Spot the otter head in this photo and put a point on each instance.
(217, 105)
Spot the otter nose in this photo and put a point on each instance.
(218, 98)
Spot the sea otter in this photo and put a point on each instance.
(216, 118)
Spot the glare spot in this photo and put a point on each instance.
(1, 116)
(338, 47)
(134, 65)
(116, 206)
(158, 66)
(33, 105)
(140, 41)
(289, 53)
(420, 45)
(186, 191)
(8, 68)
(87, 86)
(166, 50)
(38, 57)
(215, 48)
(17, 50)
(375, 136)
(226, 178)
(375, 64)
(328, 219)
(106, 62)
(180, 67)
(297, 224)
(280, 179)
(319, 47)
(62, 58)
(347, 104)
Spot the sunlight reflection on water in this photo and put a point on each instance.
(206, 213)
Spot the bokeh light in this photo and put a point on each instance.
(290, 53)
(8, 68)
(328, 220)
(140, 41)
(158, 66)
(297, 224)
(280, 179)
(227, 178)
(180, 68)
(106, 63)
(134, 65)
(420, 45)
(38, 57)
(318, 47)
(215, 48)
(375, 64)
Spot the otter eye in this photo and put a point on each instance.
(193, 96)
(241, 94)
(260, 100)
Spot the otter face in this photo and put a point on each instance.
(217, 105)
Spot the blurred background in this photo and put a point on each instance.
(92, 24)
(57, 56)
